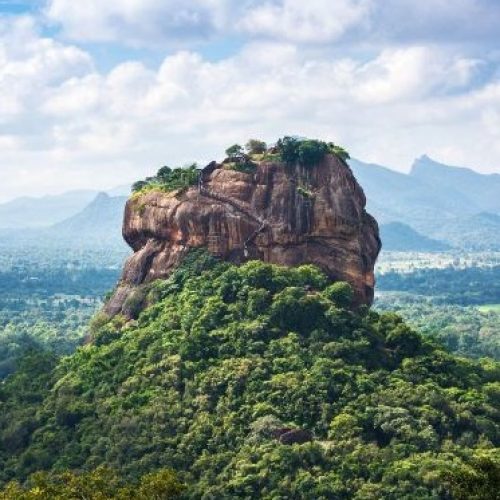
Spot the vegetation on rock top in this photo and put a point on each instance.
(290, 150)
(168, 179)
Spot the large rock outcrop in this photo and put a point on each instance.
(278, 214)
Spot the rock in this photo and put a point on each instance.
(296, 436)
(278, 214)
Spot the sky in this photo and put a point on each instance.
(100, 93)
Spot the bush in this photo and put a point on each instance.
(168, 179)
(255, 147)
(341, 293)
(234, 151)
(307, 152)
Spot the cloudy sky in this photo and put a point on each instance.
(98, 93)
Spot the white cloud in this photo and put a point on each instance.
(30, 64)
(317, 21)
(137, 22)
(412, 72)
(67, 125)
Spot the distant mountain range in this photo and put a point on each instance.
(97, 226)
(28, 212)
(399, 237)
(432, 208)
(454, 205)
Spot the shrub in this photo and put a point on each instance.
(341, 293)
(234, 151)
(307, 152)
(168, 179)
(255, 147)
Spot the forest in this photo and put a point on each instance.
(467, 286)
(252, 381)
(47, 298)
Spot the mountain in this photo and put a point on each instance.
(435, 200)
(48, 210)
(480, 232)
(482, 190)
(97, 225)
(98, 222)
(44, 211)
(400, 237)
(258, 382)
(272, 213)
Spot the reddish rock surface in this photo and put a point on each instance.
(278, 214)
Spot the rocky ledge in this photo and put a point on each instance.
(277, 213)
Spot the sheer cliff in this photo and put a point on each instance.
(275, 212)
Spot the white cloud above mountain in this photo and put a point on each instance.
(66, 122)
(316, 21)
(138, 22)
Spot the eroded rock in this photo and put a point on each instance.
(278, 214)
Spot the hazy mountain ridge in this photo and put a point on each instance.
(98, 224)
(45, 211)
(400, 237)
(453, 204)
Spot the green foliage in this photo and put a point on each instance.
(339, 151)
(465, 329)
(477, 480)
(234, 151)
(244, 165)
(303, 191)
(168, 179)
(48, 297)
(255, 147)
(469, 286)
(307, 152)
(221, 358)
(100, 484)
(341, 293)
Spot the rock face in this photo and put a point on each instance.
(278, 214)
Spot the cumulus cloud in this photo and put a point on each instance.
(64, 124)
(369, 21)
(29, 64)
(362, 22)
(316, 21)
(459, 21)
(138, 22)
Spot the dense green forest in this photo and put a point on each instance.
(465, 330)
(468, 286)
(258, 382)
(47, 298)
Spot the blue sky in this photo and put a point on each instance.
(99, 93)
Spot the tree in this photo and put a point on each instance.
(311, 152)
(339, 151)
(234, 151)
(255, 147)
(288, 149)
(341, 293)
(164, 173)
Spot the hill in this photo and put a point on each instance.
(399, 237)
(439, 201)
(44, 211)
(482, 191)
(98, 222)
(97, 225)
(259, 382)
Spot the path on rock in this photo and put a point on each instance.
(263, 223)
